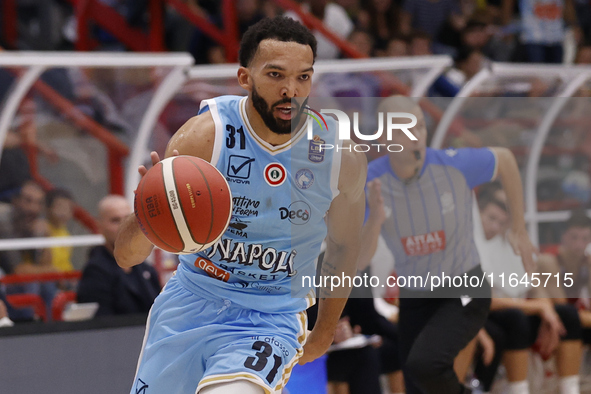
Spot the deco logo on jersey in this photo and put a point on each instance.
(239, 166)
(298, 212)
(275, 174)
(304, 178)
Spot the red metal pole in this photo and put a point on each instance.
(116, 172)
(9, 22)
(156, 37)
(231, 29)
(82, 11)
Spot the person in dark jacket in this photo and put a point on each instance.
(118, 291)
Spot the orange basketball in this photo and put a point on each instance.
(183, 204)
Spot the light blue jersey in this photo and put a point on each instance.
(542, 21)
(280, 195)
(237, 309)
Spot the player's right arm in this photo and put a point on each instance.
(194, 138)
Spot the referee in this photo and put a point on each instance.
(420, 199)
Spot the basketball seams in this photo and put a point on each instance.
(179, 218)
(147, 222)
(210, 200)
(183, 209)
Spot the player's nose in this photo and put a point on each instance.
(289, 89)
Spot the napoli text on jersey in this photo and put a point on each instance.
(429, 226)
(280, 196)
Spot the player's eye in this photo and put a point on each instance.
(274, 74)
(304, 77)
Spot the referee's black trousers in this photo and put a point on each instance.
(432, 333)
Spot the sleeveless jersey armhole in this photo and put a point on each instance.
(219, 131)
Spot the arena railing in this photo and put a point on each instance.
(572, 78)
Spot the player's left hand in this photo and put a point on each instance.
(522, 246)
(316, 345)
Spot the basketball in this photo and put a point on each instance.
(183, 204)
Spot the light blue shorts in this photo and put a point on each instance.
(195, 340)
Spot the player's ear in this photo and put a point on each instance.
(244, 78)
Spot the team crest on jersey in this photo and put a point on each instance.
(304, 178)
(447, 203)
(275, 174)
(315, 152)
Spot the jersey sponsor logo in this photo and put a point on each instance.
(447, 203)
(244, 206)
(550, 11)
(298, 212)
(267, 259)
(239, 166)
(211, 270)
(304, 178)
(451, 152)
(424, 244)
(237, 227)
(315, 151)
(275, 174)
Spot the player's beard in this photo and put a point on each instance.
(277, 126)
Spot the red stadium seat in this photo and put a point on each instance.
(59, 303)
(29, 301)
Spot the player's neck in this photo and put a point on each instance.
(261, 129)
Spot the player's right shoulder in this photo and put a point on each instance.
(194, 138)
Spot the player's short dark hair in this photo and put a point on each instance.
(280, 28)
(56, 193)
(578, 218)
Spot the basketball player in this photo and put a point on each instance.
(427, 224)
(243, 334)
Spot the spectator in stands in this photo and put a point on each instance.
(516, 324)
(117, 290)
(542, 27)
(397, 46)
(24, 219)
(430, 16)
(420, 44)
(334, 17)
(14, 167)
(571, 257)
(362, 41)
(381, 18)
(467, 63)
(60, 210)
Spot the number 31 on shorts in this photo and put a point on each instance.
(263, 356)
